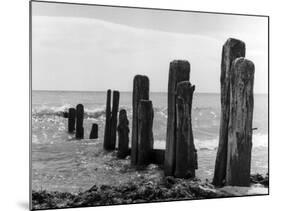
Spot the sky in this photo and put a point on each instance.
(95, 48)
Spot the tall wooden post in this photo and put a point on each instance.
(186, 159)
(123, 134)
(106, 141)
(94, 131)
(145, 134)
(240, 123)
(79, 121)
(71, 120)
(232, 49)
(113, 121)
(140, 91)
(179, 71)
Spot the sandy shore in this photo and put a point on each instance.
(115, 181)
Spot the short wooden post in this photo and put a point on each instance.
(232, 49)
(140, 91)
(106, 141)
(179, 71)
(79, 121)
(71, 120)
(240, 123)
(65, 114)
(186, 162)
(145, 134)
(94, 131)
(113, 121)
(123, 134)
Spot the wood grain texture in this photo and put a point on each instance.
(71, 119)
(186, 159)
(113, 120)
(232, 49)
(179, 71)
(106, 140)
(79, 121)
(140, 91)
(145, 133)
(240, 123)
(123, 134)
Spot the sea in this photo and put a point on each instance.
(62, 163)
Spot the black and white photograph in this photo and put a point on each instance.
(137, 105)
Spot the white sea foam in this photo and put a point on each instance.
(259, 141)
(49, 110)
(242, 191)
(58, 111)
(95, 113)
(210, 144)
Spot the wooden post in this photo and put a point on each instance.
(145, 134)
(113, 120)
(179, 71)
(232, 49)
(94, 131)
(158, 156)
(123, 134)
(185, 150)
(140, 91)
(71, 120)
(106, 141)
(65, 114)
(240, 123)
(79, 121)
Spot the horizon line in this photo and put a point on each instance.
(46, 90)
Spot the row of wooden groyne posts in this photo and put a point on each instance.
(233, 161)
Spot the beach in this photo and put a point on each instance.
(62, 163)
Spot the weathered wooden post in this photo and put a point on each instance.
(145, 134)
(65, 114)
(113, 121)
(94, 131)
(79, 121)
(123, 134)
(186, 159)
(71, 120)
(140, 91)
(240, 123)
(232, 49)
(106, 141)
(179, 71)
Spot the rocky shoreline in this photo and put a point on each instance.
(167, 189)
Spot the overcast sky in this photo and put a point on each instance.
(94, 48)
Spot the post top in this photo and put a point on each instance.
(140, 76)
(180, 61)
(233, 42)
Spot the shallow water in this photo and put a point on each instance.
(59, 162)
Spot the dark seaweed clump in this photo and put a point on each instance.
(259, 179)
(167, 189)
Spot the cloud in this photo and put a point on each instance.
(85, 53)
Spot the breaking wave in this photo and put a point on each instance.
(62, 111)
(259, 141)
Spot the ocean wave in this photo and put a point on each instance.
(50, 110)
(63, 110)
(199, 113)
(259, 141)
